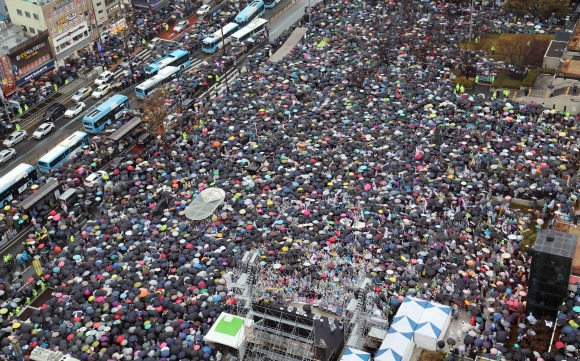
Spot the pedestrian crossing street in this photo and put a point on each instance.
(144, 56)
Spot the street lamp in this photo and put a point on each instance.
(223, 50)
(125, 41)
(470, 20)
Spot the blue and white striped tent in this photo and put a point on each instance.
(352, 354)
(397, 346)
(432, 325)
(403, 324)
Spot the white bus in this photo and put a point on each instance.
(214, 42)
(253, 30)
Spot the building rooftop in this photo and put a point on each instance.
(11, 37)
(556, 49)
(556, 243)
(563, 36)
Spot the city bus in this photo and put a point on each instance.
(214, 42)
(165, 75)
(250, 12)
(15, 182)
(63, 151)
(255, 29)
(96, 120)
(178, 58)
(270, 3)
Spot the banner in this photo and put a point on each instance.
(25, 60)
(36, 73)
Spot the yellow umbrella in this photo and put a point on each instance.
(3, 311)
(16, 325)
(393, 279)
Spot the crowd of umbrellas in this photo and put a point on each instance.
(352, 158)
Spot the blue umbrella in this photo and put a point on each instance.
(206, 349)
(497, 316)
(478, 342)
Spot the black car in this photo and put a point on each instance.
(144, 140)
(54, 111)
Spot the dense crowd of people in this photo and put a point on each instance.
(352, 158)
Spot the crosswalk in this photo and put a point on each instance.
(221, 88)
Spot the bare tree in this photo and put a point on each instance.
(155, 111)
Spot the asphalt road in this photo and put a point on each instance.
(30, 150)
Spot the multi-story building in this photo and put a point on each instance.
(71, 24)
(152, 5)
(3, 11)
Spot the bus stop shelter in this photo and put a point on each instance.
(52, 186)
(125, 128)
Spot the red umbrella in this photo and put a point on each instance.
(30, 280)
(130, 168)
(560, 344)
(52, 213)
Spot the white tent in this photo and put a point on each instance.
(426, 336)
(432, 325)
(352, 354)
(205, 203)
(403, 324)
(397, 346)
(412, 307)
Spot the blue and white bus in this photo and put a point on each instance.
(63, 151)
(165, 75)
(253, 30)
(15, 182)
(250, 12)
(270, 3)
(178, 58)
(96, 120)
(214, 42)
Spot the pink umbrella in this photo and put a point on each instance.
(56, 217)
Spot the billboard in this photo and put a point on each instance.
(27, 57)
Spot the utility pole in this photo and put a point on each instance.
(125, 31)
(223, 21)
(470, 20)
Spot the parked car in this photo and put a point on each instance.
(153, 43)
(43, 130)
(74, 110)
(134, 62)
(144, 139)
(203, 10)
(96, 178)
(104, 78)
(101, 91)
(7, 154)
(82, 94)
(15, 138)
(181, 26)
(117, 162)
(54, 111)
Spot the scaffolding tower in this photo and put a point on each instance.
(242, 281)
(276, 335)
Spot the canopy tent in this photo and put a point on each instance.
(228, 330)
(403, 324)
(432, 325)
(412, 307)
(352, 354)
(397, 346)
(205, 203)
(426, 336)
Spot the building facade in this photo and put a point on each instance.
(71, 24)
(152, 5)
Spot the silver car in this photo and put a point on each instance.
(15, 138)
(7, 154)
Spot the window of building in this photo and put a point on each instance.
(27, 14)
(32, 30)
(100, 11)
(19, 12)
(99, 4)
(24, 28)
(35, 16)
